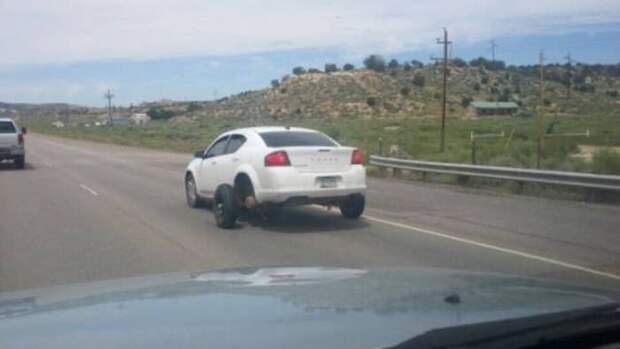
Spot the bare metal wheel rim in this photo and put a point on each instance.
(190, 189)
(219, 211)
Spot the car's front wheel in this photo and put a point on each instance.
(225, 207)
(353, 206)
(191, 194)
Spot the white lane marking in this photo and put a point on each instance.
(496, 248)
(89, 190)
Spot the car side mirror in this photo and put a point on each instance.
(199, 153)
(24, 130)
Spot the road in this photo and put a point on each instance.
(85, 211)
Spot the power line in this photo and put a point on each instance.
(569, 78)
(493, 47)
(540, 109)
(445, 42)
(108, 95)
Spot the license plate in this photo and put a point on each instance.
(328, 182)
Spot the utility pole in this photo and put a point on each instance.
(444, 99)
(540, 109)
(493, 46)
(108, 95)
(569, 78)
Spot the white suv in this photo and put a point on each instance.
(261, 167)
(12, 142)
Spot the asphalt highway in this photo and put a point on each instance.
(84, 211)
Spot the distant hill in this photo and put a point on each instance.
(406, 92)
(27, 111)
(403, 91)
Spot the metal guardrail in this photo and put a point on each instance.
(573, 179)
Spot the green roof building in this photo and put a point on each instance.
(484, 108)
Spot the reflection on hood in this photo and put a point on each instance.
(382, 291)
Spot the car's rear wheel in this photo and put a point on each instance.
(191, 194)
(225, 207)
(20, 162)
(353, 206)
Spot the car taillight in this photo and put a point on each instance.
(357, 158)
(20, 138)
(278, 158)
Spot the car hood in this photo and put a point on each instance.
(275, 308)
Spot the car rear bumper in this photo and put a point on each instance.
(294, 188)
(11, 152)
(307, 197)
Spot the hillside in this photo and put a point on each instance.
(395, 94)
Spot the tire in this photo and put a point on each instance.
(20, 162)
(245, 194)
(191, 195)
(225, 207)
(353, 206)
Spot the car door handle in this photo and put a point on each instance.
(213, 162)
(235, 159)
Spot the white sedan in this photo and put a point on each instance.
(262, 167)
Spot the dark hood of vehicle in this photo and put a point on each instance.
(275, 308)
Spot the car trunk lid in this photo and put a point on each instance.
(320, 159)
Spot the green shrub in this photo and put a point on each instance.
(158, 113)
(606, 162)
(419, 80)
(393, 64)
(331, 68)
(299, 70)
(375, 62)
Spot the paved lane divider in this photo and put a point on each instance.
(90, 190)
(495, 248)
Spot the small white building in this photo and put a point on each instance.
(58, 124)
(140, 119)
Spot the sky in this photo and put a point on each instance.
(72, 51)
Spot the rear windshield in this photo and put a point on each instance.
(7, 127)
(296, 139)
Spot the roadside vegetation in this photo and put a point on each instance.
(408, 138)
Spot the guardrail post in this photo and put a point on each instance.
(473, 151)
(380, 146)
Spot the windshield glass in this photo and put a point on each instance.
(295, 139)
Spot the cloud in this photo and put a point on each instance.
(65, 31)
(49, 90)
